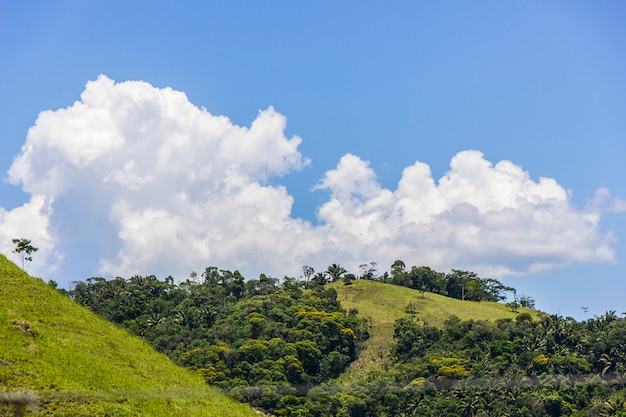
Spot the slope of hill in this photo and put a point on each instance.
(384, 303)
(63, 360)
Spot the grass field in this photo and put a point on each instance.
(65, 361)
(383, 304)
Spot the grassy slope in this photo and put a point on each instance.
(77, 364)
(384, 303)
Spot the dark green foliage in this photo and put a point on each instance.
(463, 285)
(280, 346)
(552, 367)
(259, 338)
(475, 368)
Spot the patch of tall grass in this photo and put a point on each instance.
(67, 361)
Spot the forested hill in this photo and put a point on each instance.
(449, 348)
(385, 304)
(58, 358)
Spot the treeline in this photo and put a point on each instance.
(259, 339)
(279, 345)
(463, 285)
(459, 284)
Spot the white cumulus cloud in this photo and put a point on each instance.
(137, 179)
(492, 219)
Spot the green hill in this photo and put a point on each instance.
(384, 303)
(63, 360)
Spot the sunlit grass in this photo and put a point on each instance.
(76, 364)
(383, 304)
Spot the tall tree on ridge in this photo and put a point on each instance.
(24, 249)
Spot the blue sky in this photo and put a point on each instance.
(160, 138)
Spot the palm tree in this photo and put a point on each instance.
(612, 407)
(607, 362)
(535, 339)
(319, 279)
(334, 272)
(183, 318)
(154, 320)
(468, 406)
(411, 407)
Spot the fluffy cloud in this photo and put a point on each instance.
(491, 219)
(136, 179)
(179, 187)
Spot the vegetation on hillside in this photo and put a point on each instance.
(59, 359)
(384, 304)
(554, 366)
(259, 339)
(281, 345)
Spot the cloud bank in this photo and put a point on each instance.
(134, 179)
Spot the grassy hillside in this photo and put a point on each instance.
(385, 303)
(69, 362)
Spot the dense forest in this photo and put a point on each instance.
(282, 344)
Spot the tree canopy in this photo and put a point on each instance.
(282, 344)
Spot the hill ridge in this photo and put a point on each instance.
(384, 303)
(69, 361)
